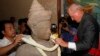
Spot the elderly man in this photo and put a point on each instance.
(88, 32)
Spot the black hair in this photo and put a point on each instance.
(20, 21)
(62, 19)
(28, 30)
(53, 28)
(2, 27)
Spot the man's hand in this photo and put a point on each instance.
(17, 39)
(61, 42)
(6, 49)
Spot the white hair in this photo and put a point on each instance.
(74, 7)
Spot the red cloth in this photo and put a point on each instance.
(75, 38)
(94, 52)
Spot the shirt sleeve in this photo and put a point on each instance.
(72, 45)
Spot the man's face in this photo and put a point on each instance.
(9, 30)
(22, 27)
(74, 15)
(43, 30)
(75, 12)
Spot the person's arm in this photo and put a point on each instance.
(6, 49)
(89, 36)
(70, 45)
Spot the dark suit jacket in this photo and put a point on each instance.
(88, 35)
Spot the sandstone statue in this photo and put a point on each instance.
(39, 43)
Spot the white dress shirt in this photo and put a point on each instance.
(72, 45)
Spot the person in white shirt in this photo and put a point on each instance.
(10, 39)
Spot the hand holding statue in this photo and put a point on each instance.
(61, 42)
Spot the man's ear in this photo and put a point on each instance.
(3, 32)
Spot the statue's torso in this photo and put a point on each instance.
(29, 50)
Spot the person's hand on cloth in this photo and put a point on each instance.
(18, 39)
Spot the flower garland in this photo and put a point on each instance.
(28, 39)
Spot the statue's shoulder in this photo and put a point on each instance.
(27, 50)
(24, 46)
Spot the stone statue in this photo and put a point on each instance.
(39, 23)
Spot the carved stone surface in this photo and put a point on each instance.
(39, 22)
